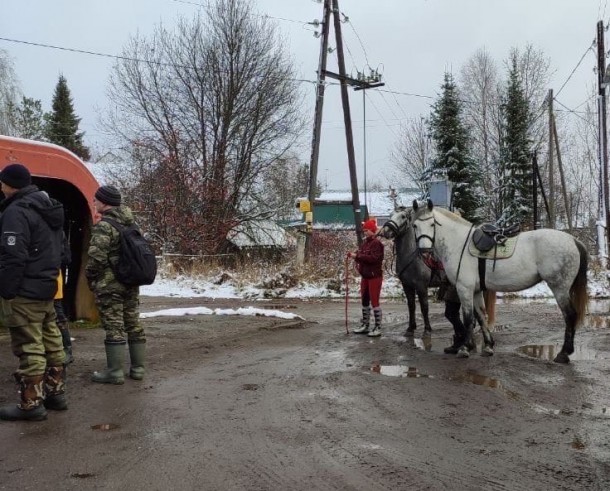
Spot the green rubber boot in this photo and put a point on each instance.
(136, 355)
(113, 374)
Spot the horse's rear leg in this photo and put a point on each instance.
(410, 294)
(570, 317)
(479, 313)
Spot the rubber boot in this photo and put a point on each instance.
(55, 388)
(30, 408)
(377, 329)
(458, 341)
(66, 339)
(452, 314)
(365, 322)
(113, 374)
(136, 355)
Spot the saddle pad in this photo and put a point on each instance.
(501, 252)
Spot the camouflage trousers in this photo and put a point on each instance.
(119, 314)
(35, 337)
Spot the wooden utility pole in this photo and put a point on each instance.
(603, 139)
(551, 164)
(317, 126)
(563, 179)
(347, 118)
(535, 190)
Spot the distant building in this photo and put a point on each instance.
(333, 210)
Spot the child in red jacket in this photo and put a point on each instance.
(369, 260)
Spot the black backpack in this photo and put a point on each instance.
(137, 264)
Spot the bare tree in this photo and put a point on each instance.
(411, 153)
(480, 88)
(9, 92)
(211, 106)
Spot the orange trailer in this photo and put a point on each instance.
(66, 178)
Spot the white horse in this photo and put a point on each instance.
(540, 255)
(416, 277)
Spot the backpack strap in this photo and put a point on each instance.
(114, 223)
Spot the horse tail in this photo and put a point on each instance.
(578, 291)
(490, 306)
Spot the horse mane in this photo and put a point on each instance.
(452, 216)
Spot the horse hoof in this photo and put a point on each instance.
(409, 333)
(463, 353)
(487, 351)
(562, 358)
(427, 333)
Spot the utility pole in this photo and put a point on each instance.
(604, 219)
(317, 127)
(551, 164)
(347, 118)
(563, 179)
(535, 189)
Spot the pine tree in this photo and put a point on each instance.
(451, 144)
(516, 179)
(62, 124)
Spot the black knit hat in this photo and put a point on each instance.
(16, 176)
(109, 195)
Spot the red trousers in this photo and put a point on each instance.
(370, 291)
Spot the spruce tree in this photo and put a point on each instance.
(516, 179)
(62, 124)
(451, 144)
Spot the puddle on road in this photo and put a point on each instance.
(469, 377)
(398, 371)
(424, 343)
(477, 379)
(598, 320)
(549, 352)
(105, 427)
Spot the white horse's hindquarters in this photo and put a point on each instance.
(512, 274)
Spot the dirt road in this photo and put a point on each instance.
(260, 403)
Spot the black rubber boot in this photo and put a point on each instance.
(137, 352)
(113, 374)
(458, 341)
(30, 408)
(54, 389)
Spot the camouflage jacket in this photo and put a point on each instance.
(104, 250)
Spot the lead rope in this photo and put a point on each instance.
(462, 254)
(346, 290)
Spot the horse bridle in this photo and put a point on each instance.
(425, 236)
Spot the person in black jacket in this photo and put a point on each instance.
(369, 260)
(31, 227)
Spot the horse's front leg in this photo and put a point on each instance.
(410, 294)
(466, 298)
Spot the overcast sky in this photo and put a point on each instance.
(412, 42)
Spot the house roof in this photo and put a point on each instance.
(379, 203)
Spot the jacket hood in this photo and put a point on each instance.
(51, 211)
(121, 214)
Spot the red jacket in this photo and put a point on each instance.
(370, 258)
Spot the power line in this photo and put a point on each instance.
(589, 48)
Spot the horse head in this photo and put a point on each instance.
(397, 224)
(424, 223)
